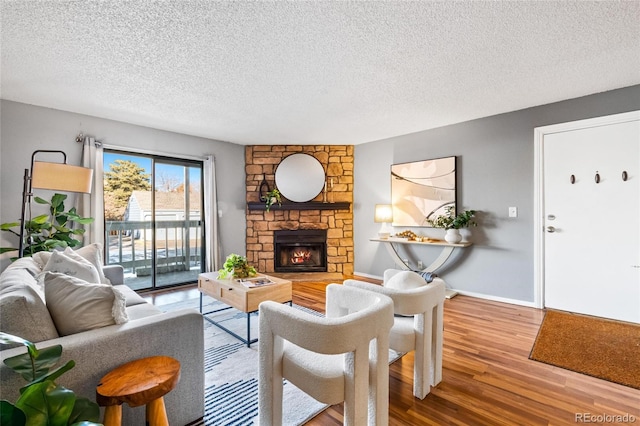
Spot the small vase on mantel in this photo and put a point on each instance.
(453, 236)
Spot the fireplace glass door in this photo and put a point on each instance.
(301, 251)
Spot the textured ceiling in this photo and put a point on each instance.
(312, 72)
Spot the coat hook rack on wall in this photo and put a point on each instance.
(597, 177)
(573, 179)
(625, 176)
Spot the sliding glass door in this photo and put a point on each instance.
(177, 215)
(153, 218)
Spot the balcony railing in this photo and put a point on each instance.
(178, 245)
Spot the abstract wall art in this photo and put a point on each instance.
(421, 190)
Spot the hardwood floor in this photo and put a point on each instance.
(487, 376)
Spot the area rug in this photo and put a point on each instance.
(598, 347)
(231, 371)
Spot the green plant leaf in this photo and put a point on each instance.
(51, 244)
(11, 415)
(47, 404)
(40, 220)
(35, 364)
(57, 200)
(62, 228)
(84, 220)
(61, 219)
(7, 339)
(84, 412)
(8, 226)
(40, 200)
(52, 376)
(7, 249)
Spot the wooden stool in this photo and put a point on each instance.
(140, 382)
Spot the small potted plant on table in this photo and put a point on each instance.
(236, 266)
(452, 223)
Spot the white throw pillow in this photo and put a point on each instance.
(76, 306)
(93, 253)
(41, 258)
(405, 280)
(74, 266)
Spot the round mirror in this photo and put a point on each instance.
(300, 177)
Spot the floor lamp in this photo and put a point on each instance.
(53, 176)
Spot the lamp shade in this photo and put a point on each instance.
(383, 213)
(61, 177)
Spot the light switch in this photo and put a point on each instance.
(513, 212)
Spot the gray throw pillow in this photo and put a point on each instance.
(24, 314)
(77, 306)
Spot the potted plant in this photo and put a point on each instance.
(48, 231)
(236, 266)
(42, 401)
(452, 223)
(273, 197)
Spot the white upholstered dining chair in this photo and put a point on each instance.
(341, 357)
(418, 323)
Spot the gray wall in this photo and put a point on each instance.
(26, 128)
(495, 171)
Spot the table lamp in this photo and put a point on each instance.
(383, 214)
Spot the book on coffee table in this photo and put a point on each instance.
(255, 281)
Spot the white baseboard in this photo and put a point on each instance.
(362, 274)
(497, 298)
(451, 292)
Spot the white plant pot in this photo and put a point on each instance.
(453, 236)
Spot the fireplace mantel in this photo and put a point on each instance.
(336, 216)
(311, 205)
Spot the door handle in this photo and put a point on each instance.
(551, 229)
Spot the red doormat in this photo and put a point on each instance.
(602, 348)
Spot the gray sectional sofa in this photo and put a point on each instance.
(147, 332)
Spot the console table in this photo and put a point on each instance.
(447, 249)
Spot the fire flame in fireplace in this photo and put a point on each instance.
(300, 256)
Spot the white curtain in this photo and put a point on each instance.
(212, 240)
(92, 205)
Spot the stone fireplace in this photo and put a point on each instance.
(332, 214)
(303, 250)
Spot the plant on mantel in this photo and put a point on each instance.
(272, 197)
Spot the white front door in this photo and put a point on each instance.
(591, 220)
